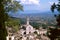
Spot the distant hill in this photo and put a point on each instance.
(38, 13)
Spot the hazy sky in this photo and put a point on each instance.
(37, 5)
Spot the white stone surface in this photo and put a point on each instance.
(7, 38)
(24, 38)
(29, 28)
(12, 37)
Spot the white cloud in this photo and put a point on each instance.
(52, 3)
(36, 2)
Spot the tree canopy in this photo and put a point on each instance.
(57, 7)
(12, 5)
(7, 6)
(55, 33)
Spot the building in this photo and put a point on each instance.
(27, 27)
(27, 32)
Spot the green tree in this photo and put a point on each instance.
(5, 7)
(57, 7)
(13, 22)
(35, 25)
(55, 33)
